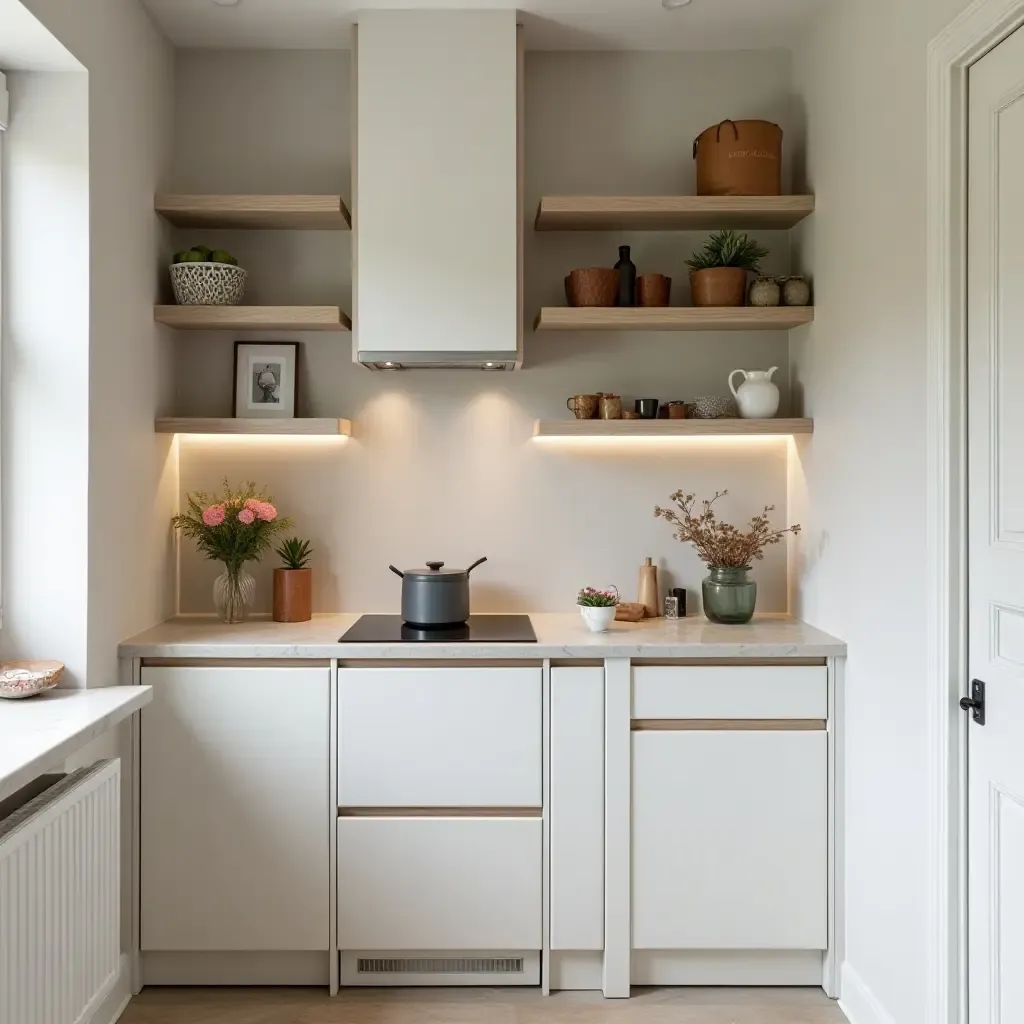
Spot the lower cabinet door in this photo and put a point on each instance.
(730, 840)
(439, 883)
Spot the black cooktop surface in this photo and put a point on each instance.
(386, 629)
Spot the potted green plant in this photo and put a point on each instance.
(234, 528)
(598, 607)
(293, 582)
(729, 597)
(718, 272)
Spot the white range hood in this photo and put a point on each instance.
(437, 217)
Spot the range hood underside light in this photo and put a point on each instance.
(438, 360)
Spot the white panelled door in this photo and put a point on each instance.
(996, 533)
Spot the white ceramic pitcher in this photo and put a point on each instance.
(757, 397)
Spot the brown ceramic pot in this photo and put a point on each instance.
(592, 286)
(719, 286)
(293, 595)
(653, 289)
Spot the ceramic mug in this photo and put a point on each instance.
(611, 407)
(583, 407)
(646, 408)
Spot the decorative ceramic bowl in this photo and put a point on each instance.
(207, 284)
(27, 678)
(714, 407)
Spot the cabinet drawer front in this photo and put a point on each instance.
(439, 883)
(730, 691)
(423, 737)
(730, 840)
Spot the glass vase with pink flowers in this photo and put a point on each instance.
(234, 527)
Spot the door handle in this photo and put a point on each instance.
(976, 702)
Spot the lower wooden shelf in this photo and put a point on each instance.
(190, 425)
(672, 428)
(253, 318)
(672, 318)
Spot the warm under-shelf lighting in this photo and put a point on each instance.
(265, 441)
(647, 440)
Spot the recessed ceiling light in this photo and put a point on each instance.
(669, 5)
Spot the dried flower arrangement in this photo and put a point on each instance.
(590, 597)
(721, 544)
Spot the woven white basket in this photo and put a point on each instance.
(207, 284)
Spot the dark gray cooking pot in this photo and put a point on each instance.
(435, 596)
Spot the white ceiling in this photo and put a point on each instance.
(549, 24)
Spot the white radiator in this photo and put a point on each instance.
(60, 895)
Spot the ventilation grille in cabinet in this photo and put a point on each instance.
(441, 965)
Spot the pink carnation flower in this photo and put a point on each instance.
(266, 512)
(246, 516)
(253, 503)
(214, 515)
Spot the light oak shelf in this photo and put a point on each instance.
(253, 318)
(309, 213)
(670, 213)
(320, 427)
(672, 318)
(672, 428)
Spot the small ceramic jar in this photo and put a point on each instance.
(610, 407)
(765, 291)
(795, 291)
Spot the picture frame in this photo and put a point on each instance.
(266, 379)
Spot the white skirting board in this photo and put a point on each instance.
(116, 1002)
(248, 967)
(858, 1002)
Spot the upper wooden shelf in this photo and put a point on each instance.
(672, 428)
(311, 213)
(307, 427)
(672, 318)
(670, 213)
(253, 318)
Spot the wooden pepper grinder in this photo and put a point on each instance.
(647, 589)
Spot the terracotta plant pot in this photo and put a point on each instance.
(653, 289)
(293, 595)
(592, 286)
(719, 286)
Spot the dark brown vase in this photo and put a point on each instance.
(719, 286)
(293, 595)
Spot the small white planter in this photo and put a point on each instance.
(598, 620)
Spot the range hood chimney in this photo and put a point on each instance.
(437, 218)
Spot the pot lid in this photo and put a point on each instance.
(437, 573)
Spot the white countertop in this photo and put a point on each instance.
(558, 636)
(38, 733)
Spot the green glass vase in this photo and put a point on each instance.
(729, 597)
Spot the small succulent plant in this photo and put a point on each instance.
(294, 553)
(589, 597)
(727, 249)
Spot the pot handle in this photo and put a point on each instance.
(475, 564)
(397, 572)
(731, 388)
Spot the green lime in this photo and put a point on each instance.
(221, 256)
(192, 257)
(180, 257)
(204, 250)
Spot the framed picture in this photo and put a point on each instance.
(266, 379)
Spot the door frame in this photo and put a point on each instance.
(979, 28)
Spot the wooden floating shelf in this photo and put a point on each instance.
(670, 213)
(309, 427)
(672, 318)
(672, 428)
(304, 213)
(253, 318)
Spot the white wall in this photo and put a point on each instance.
(132, 485)
(860, 482)
(443, 465)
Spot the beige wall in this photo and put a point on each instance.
(860, 482)
(443, 465)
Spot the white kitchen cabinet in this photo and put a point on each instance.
(235, 809)
(439, 737)
(729, 840)
(439, 883)
(577, 808)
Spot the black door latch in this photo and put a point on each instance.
(976, 702)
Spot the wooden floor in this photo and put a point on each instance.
(480, 1006)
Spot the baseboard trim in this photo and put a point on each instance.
(255, 967)
(727, 967)
(858, 1002)
(115, 1001)
(576, 970)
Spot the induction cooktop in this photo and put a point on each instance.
(387, 629)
